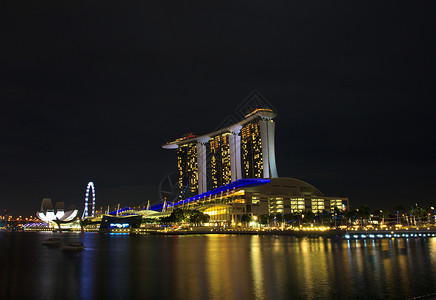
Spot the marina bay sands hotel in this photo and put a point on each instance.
(232, 171)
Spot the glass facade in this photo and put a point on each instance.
(251, 144)
(317, 205)
(337, 203)
(220, 160)
(215, 161)
(297, 205)
(188, 170)
(276, 206)
(218, 213)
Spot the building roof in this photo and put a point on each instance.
(264, 113)
(238, 184)
(286, 186)
(282, 186)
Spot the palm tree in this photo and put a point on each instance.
(288, 217)
(384, 214)
(351, 215)
(298, 216)
(245, 219)
(363, 213)
(309, 216)
(263, 219)
(398, 209)
(324, 216)
(418, 212)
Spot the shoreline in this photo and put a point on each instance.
(347, 234)
(294, 233)
(330, 233)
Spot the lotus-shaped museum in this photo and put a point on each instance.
(57, 214)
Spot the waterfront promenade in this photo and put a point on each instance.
(299, 232)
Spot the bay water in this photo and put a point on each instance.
(215, 267)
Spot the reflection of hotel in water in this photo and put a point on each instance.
(232, 171)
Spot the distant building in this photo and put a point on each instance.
(188, 169)
(255, 197)
(232, 171)
(220, 151)
(257, 143)
(57, 214)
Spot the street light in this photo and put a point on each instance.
(434, 217)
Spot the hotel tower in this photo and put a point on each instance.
(232, 172)
(242, 150)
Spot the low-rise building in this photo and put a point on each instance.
(255, 197)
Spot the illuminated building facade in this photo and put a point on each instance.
(187, 166)
(256, 197)
(252, 151)
(254, 135)
(56, 214)
(215, 161)
(220, 160)
(243, 174)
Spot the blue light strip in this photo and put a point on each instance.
(159, 206)
(241, 183)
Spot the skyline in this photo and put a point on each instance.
(91, 92)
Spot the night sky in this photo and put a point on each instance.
(90, 90)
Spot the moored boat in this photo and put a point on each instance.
(109, 221)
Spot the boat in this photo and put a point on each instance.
(109, 221)
(73, 246)
(52, 242)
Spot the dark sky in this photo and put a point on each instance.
(90, 90)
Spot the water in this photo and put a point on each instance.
(215, 267)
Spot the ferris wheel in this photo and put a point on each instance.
(89, 187)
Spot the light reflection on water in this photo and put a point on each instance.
(216, 267)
